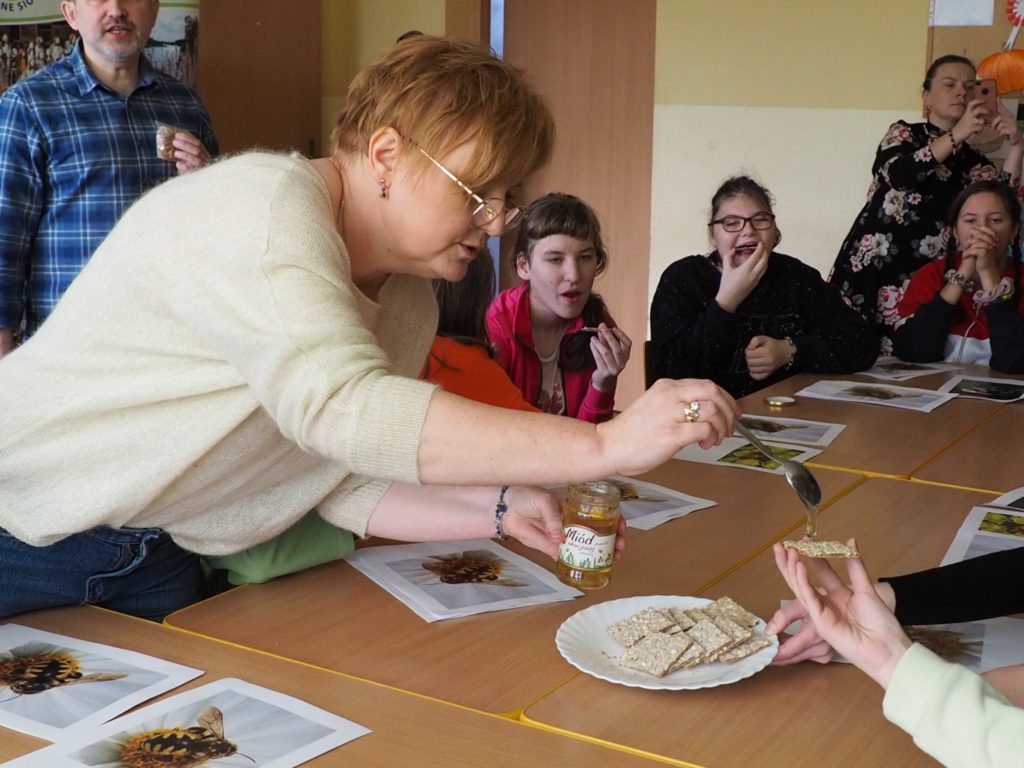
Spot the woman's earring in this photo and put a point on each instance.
(383, 190)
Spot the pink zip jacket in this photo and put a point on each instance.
(511, 332)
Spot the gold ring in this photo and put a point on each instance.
(693, 411)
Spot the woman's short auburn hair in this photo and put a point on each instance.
(440, 93)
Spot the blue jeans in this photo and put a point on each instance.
(133, 570)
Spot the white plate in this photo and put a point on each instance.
(585, 644)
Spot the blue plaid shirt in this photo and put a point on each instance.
(73, 156)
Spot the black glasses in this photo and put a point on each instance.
(485, 211)
(736, 223)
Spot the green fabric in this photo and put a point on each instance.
(311, 541)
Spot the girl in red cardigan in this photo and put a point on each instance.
(554, 336)
(966, 308)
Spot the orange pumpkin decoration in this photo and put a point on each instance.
(1006, 68)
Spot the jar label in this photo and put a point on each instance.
(587, 549)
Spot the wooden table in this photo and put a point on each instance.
(407, 730)
(805, 715)
(879, 440)
(335, 618)
(984, 458)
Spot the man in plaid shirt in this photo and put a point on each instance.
(77, 147)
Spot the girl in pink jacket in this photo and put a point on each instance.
(553, 335)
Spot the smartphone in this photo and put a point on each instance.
(986, 90)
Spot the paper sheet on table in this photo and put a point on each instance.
(985, 388)
(908, 398)
(783, 430)
(270, 728)
(74, 682)
(647, 505)
(447, 579)
(737, 452)
(988, 529)
(894, 369)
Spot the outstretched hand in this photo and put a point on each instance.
(655, 426)
(852, 619)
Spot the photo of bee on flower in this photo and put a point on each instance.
(873, 393)
(474, 567)
(997, 522)
(748, 456)
(228, 729)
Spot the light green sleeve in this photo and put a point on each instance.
(953, 714)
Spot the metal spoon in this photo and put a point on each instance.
(798, 476)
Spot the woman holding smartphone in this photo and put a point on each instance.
(919, 169)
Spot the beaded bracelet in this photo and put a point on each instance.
(792, 357)
(955, 278)
(499, 513)
(954, 142)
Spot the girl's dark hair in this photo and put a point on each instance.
(741, 185)
(947, 59)
(558, 213)
(1012, 206)
(462, 308)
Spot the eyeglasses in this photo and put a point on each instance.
(485, 211)
(736, 223)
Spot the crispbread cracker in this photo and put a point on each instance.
(814, 548)
(708, 636)
(737, 612)
(679, 617)
(659, 641)
(632, 630)
(655, 654)
(744, 649)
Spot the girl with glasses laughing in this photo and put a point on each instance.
(746, 316)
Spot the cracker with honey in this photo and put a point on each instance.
(815, 548)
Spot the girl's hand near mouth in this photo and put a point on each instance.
(611, 347)
(740, 276)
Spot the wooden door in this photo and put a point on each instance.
(259, 73)
(594, 61)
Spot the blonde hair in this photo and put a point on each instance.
(440, 93)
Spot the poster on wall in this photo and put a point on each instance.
(34, 34)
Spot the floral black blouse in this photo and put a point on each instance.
(902, 224)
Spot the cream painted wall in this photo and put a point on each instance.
(858, 54)
(356, 32)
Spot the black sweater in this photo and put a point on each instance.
(980, 588)
(693, 337)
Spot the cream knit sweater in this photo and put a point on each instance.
(215, 373)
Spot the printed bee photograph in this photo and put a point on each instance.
(748, 456)
(989, 390)
(226, 730)
(801, 431)
(461, 578)
(956, 643)
(58, 686)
